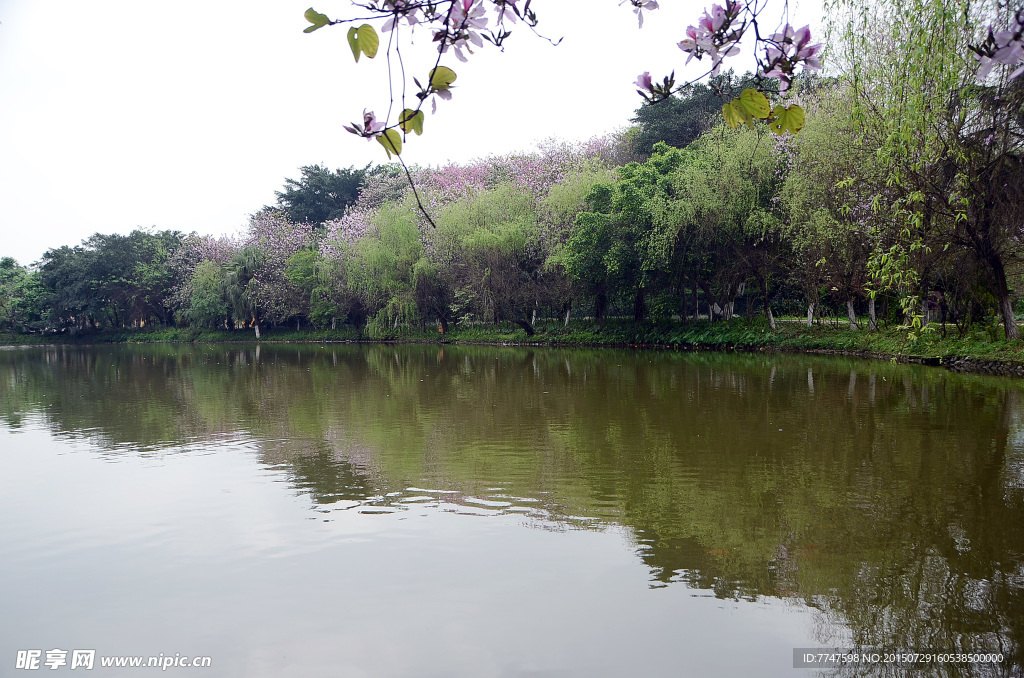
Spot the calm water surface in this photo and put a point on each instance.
(422, 511)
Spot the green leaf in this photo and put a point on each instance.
(795, 119)
(391, 141)
(777, 122)
(754, 103)
(735, 114)
(316, 18)
(353, 42)
(789, 119)
(363, 40)
(731, 115)
(411, 121)
(441, 78)
(368, 40)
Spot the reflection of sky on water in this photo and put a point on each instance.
(212, 553)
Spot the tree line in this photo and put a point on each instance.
(679, 217)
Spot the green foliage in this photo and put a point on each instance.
(391, 140)
(320, 195)
(310, 274)
(112, 280)
(787, 119)
(411, 121)
(495, 239)
(22, 296)
(207, 307)
(383, 269)
(566, 199)
(441, 78)
(362, 40)
(238, 283)
(683, 117)
(316, 18)
(949, 149)
(825, 198)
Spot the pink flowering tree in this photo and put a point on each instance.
(277, 298)
(186, 260)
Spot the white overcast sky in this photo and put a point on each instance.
(117, 114)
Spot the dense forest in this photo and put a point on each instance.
(887, 208)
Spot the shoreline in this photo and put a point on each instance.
(978, 352)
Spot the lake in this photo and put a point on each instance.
(418, 510)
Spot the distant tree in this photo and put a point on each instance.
(132, 275)
(683, 117)
(621, 249)
(277, 238)
(695, 108)
(207, 307)
(21, 296)
(238, 285)
(71, 296)
(382, 269)
(320, 195)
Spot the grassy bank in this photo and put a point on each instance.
(931, 346)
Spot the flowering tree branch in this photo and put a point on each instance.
(1002, 48)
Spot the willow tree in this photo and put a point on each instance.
(494, 252)
(827, 201)
(723, 202)
(951, 145)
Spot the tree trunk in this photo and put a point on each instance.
(810, 314)
(256, 326)
(696, 301)
(709, 299)
(1009, 321)
(872, 320)
(639, 306)
(533, 321)
(600, 304)
(525, 324)
(767, 303)
(850, 314)
(568, 312)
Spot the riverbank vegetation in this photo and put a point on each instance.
(982, 349)
(899, 216)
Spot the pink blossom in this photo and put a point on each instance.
(506, 10)
(370, 127)
(1003, 48)
(788, 49)
(716, 35)
(639, 6)
(400, 9)
(466, 20)
(644, 82)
